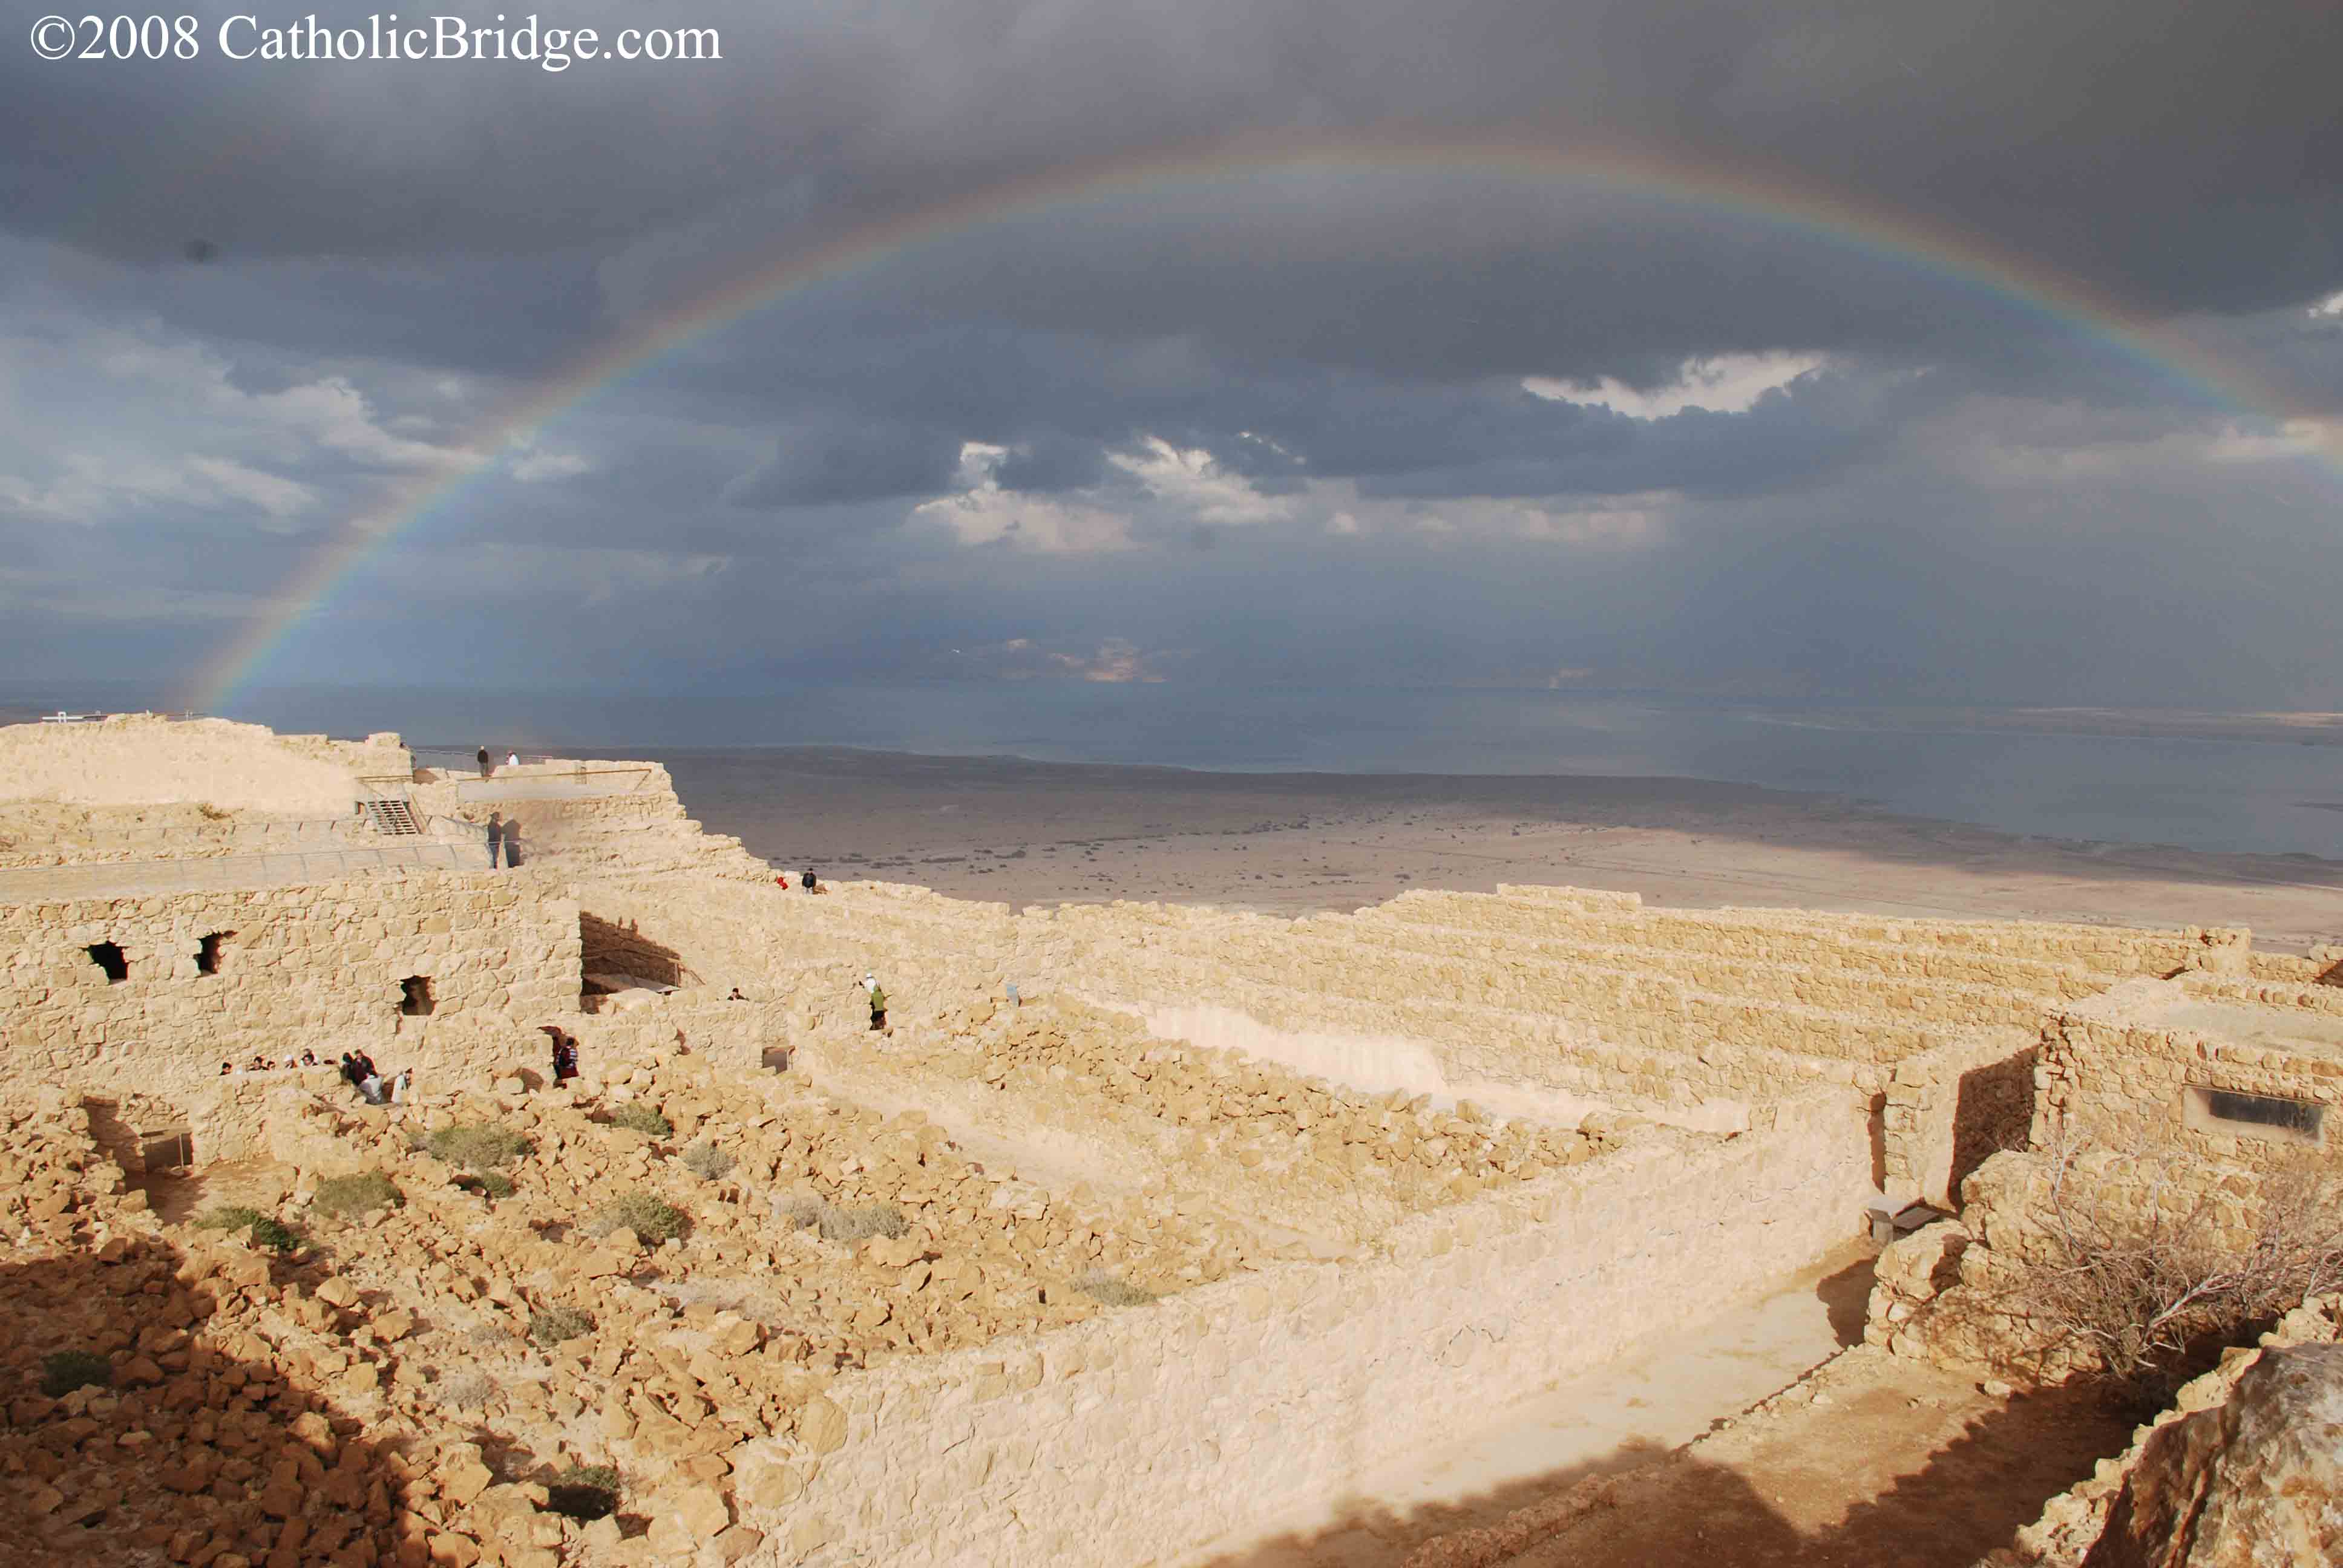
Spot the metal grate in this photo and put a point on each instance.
(393, 816)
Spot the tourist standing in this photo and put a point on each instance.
(496, 837)
(485, 764)
(878, 1007)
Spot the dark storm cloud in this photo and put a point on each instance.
(1271, 421)
(2189, 152)
(831, 461)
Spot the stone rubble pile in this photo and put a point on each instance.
(390, 1388)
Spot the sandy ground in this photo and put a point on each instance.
(1025, 832)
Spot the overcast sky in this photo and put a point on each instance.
(1721, 398)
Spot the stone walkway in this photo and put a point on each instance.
(232, 874)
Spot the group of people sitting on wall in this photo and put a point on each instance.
(262, 1064)
(805, 879)
(359, 1071)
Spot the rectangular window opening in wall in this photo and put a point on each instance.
(108, 955)
(2240, 1114)
(415, 1000)
(208, 952)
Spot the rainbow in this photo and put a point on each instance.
(1768, 195)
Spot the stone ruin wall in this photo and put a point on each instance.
(142, 761)
(316, 966)
(1221, 1405)
(1808, 1025)
(587, 817)
(2115, 1085)
(1557, 992)
(1947, 1111)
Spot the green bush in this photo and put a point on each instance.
(586, 1492)
(350, 1196)
(555, 1325)
(480, 1146)
(62, 1371)
(487, 1183)
(227, 1217)
(636, 1117)
(648, 1216)
(834, 1223)
(1113, 1291)
(707, 1161)
(275, 1234)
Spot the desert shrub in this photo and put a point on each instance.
(211, 813)
(275, 1234)
(488, 1335)
(555, 1325)
(707, 1161)
(62, 1371)
(2144, 1278)
(466, 1390)
(584, 1491)
(478, 1146)
(1113, 1290)
(487, 1183)
(648, 1216)
(636, 1117)
(834, 1223)
(263, 1229)
(350, 1196)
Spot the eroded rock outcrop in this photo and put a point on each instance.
(2253, 1483)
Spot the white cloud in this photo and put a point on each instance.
(980, 512)
(531, 465)
(328, 413)
(1620, 522)
(1118, 661)
(1191, 479)
(274, 493)
(93, 484)
(2330, 306)
(1724, 384)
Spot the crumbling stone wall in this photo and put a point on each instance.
(1949, 1110)
(318, 966)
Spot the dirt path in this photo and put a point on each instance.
(1876, 1462)
(1630, 1414)
(1757, 1440)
